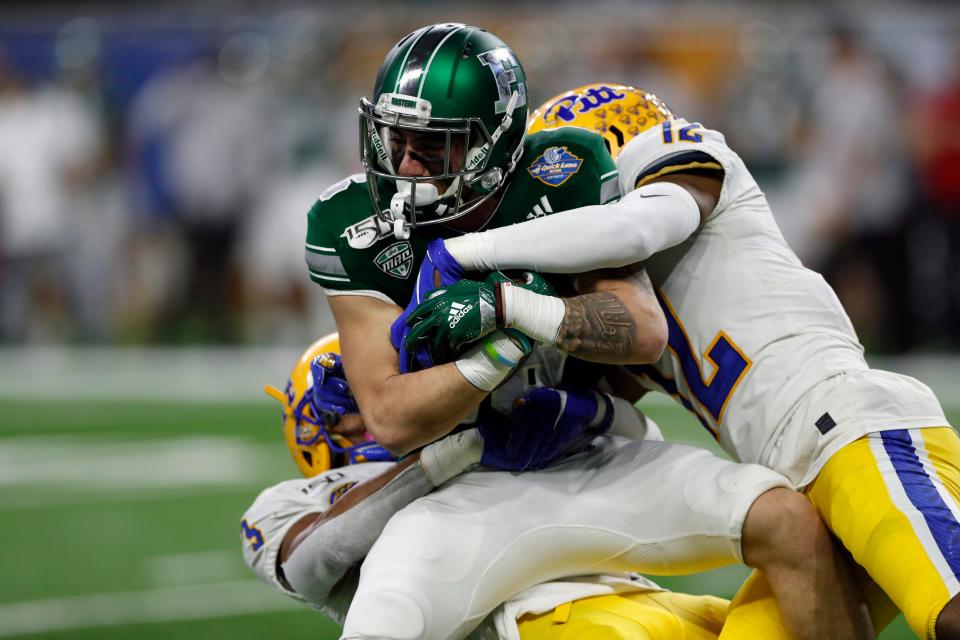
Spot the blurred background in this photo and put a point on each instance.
(157, 160)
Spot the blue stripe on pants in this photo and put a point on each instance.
(924, 496)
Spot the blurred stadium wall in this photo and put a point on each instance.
(157, 159)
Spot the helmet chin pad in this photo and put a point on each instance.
(424, 195)
(412, 194)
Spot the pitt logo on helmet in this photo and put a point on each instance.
(568, 106)
(616, 112)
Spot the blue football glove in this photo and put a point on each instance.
(438, 269)
(545, 425)
(495, 431)
(331, 397)
(447, 267)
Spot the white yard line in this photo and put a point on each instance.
(31, 500)
(199, 567)
(74, 464)
(238, 374)
(43, 472)
(198, 602)
(143, 374)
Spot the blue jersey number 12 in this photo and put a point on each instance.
(711, 392)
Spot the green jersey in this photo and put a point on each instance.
(351, 250)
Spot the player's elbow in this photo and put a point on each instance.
(659, 336)
(649, 332)
(650, 342)
(318, 559)
(390, 431)
(395, 442)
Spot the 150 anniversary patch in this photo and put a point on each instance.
(555, 166)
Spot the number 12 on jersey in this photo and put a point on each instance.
(712, 392)
(683, 134)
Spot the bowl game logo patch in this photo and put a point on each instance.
(555, 166)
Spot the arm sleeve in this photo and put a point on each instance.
(324, 250)
(647, 220)
(324, 264)
(326, 555)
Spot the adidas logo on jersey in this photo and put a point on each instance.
(540, 210)
(457, 311)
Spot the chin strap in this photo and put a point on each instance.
(406, 197)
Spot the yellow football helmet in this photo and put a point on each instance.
(615, 111)
(309, 411)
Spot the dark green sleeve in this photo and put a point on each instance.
(326, 251)
(323, 264)
(597, 180)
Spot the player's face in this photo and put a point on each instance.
(423, 154)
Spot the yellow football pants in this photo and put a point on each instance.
(643, 615)
(754, 614)
(893, 499)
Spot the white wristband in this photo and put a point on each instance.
(489, 363)
(536, 315)
(474, 251)
(451, 456)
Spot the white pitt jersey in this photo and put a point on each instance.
(751, 330)
(277, 508)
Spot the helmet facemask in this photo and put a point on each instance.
(306, 423)
(310, 423)
(458, 182)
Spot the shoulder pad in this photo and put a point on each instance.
(568, 156)
(571, 137)
(342, 186)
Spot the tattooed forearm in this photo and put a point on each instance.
(597, 327)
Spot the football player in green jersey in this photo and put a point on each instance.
(444, 152)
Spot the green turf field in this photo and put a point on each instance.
(122, 521)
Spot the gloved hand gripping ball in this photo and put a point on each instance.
(455, 316)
